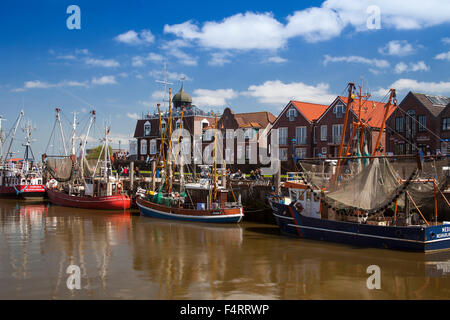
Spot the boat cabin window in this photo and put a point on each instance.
(302, 195)
(308, 195)
(316, 197)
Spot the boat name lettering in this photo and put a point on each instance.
(443, 235)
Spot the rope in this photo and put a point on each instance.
(412, 200)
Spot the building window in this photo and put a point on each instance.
(339, 110)
(283, 154)
(291, 114)
(247, 152)
(410, 123)
(239, 151)
(163, 126)
(445, 124)
(323, 133)
(422, 123)
(300, 153)
(337, 133)
(177, 125)
(153, 146)
(324, 151)
(147, 128)
(228, 155)
(143, 146)
(283, 136)
(250, 133)
(300, 135)
(399, 124)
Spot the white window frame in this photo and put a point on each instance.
(323, 133)
(283, 136)
(302, 138)
(149, 125)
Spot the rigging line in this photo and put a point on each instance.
(405, 139)
(420, 124)
(51, 135)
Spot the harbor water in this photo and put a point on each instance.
(122, 255)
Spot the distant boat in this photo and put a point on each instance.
(102, 191)
(210, 205)
(21, 178)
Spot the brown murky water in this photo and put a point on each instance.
(126, 256)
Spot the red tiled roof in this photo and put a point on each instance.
(311, 111)
(372, 112)
(254, 119)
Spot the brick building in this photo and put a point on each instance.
(421, 121)
(296, 130)
(148, 133)
(330, 125)
(245, 151)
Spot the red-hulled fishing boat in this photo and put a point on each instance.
(113, 202)
(95, 189)
(20, 178)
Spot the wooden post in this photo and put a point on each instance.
(131, 176)
(277, 178)
(435, 202)
(153, 175)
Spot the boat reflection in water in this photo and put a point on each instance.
(132, 257)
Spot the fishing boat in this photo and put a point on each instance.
(84, 187)
(210, 203)
(361, 200)
(20, 178)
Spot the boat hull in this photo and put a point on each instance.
(412, 238)
(150, 209)
(25, 192)
(116, 202)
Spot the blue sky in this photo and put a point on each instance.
(250, 55)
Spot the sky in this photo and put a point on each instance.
(247, 55)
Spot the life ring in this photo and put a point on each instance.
(52, 184)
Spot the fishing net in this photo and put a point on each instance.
(354, 185)
(60, 169)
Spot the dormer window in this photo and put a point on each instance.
(147, 128)
(339, 109)
(163, 126)
(292, 114)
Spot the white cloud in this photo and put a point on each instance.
(133, 116)
(104, 80)
(213, 98)
(172, 76)
(411, 67)
(397, 48)
(443, 56)
(106, 63)
(139, 61)
(277, 92)
(446, 40)
(276, 59)
(220, 58)
(133, 38)
(263, 31)
(405, 85)
(66, 57)
(173, 48)
(37, 84)
(357, 59)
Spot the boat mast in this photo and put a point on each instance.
(387, 106)
(83, 149)
(169, 152)
(74, 129)
(19, 118)
(351, 96)
(58, 119)
(1, 138)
